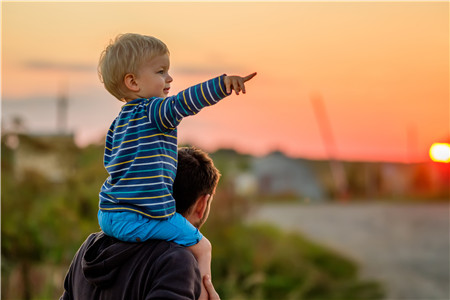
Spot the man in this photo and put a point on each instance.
(106, 268)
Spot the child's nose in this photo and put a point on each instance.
(169, 78)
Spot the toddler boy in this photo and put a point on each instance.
(136, 202)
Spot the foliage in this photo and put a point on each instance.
(44, 223)
(262, 262)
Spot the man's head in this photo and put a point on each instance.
(195, 184)
(125, 56)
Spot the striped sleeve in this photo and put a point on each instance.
(167, 113)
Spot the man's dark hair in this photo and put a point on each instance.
(196, 176)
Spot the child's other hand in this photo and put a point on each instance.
(236, 83)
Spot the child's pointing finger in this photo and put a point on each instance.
(247, 78)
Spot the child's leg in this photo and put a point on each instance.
(202, 252)
(133, 227)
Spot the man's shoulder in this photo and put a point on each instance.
(173, 250)
(151, 253)
(166, 247)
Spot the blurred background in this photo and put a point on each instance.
(331, 186)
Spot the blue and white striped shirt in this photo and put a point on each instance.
(141, 150)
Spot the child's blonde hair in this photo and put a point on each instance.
(125, 55)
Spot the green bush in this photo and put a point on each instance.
(262, 262)
(44, 223)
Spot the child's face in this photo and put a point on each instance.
(153, 77)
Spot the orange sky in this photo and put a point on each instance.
(381, 69)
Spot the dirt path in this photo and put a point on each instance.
(404, 246)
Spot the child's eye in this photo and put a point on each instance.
(161, 72)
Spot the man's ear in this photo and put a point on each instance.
(130, 82)
(201, 205)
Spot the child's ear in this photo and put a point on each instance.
(130, 82)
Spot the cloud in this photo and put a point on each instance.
(193, 70)
(205, 71)
(43, 65)
(46, 65)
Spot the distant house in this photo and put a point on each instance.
(51, 155)
(279, 175)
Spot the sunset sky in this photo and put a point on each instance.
(381, 70)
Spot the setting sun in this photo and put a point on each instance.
(440, 152)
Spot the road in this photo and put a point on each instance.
(405, 246)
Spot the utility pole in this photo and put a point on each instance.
(412, 143)
(61, 110)
(336, 166)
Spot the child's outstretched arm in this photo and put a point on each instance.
(168, 112)
(237, 83)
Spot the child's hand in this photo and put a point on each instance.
(236, 83)
(202, 252)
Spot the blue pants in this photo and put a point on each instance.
(133, 227)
